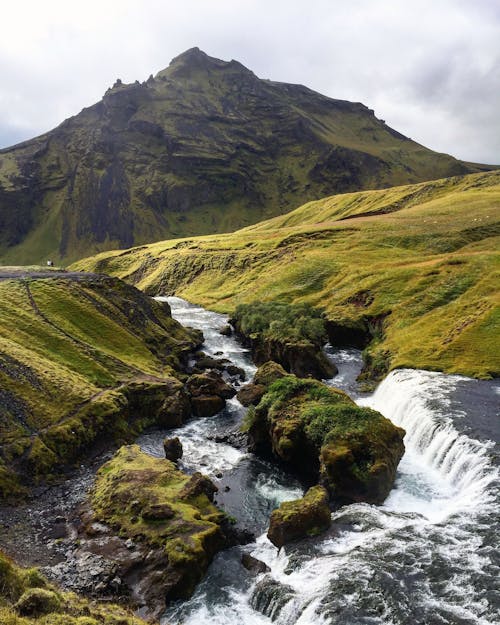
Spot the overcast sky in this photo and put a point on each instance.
(430, 68)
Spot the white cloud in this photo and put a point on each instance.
(431, 69)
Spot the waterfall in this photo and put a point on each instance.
(418, 401)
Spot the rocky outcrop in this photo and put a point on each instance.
(251, 394)
(302, 358)
(254, 565)
(208, 393)
(266, 374)
(321, 433)
(292, 335)
(99, 362)
(154, 527)
(301, 518)
(26, 596)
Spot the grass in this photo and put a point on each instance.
(415, 267)
(68, 353)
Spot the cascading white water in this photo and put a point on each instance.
(418, 402)
(425, 557)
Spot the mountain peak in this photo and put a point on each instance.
(194, 60)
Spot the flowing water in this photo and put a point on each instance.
(428, 556)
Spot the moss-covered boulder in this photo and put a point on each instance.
(38, 601)
(293, 520)
(292, 335)
(266, 374)
(208, 393)
(353, 451)
(169, 517)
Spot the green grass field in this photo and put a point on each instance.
(416, 266)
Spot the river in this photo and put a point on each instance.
(428, 556)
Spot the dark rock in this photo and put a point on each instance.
(173, 449)
(226, 330)
(197, 485)
(207, 405)
(233, 370)
(251, 394)
(351, 450)
(58, 530)
(208, 392)
(253, 564)
(157, 512)
(298, 519)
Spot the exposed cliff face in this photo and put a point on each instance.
(204, 146)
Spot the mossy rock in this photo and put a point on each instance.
(294, 520)
(268, 373)
(166, 513)
(38, 601)
(353, 451)
(27, 598)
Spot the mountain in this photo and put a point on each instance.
(411, 272)
(204, 146)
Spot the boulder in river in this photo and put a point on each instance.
(169, 516)
(293, 520)
(353, 451)
(208, 393)
(254, 565)
(173, 449)
(251, 394)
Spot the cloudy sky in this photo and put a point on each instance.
(430, 68)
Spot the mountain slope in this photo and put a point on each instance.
(412, 270)
(204, 146)
(82, 357)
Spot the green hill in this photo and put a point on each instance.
(413, 270)
(82, 358)
(204, 146)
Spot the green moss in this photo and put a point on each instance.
(321, 432)
(280, 321)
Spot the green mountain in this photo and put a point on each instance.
(412, 271)
(204, 146)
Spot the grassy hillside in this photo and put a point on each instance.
(74, 352)
(413, 268)
(204, 146)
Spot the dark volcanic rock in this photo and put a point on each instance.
(208, 393)
(173, 449)
(254, 565)
(251, 394)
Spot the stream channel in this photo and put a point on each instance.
(428, 556)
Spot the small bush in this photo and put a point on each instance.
(280, 321)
